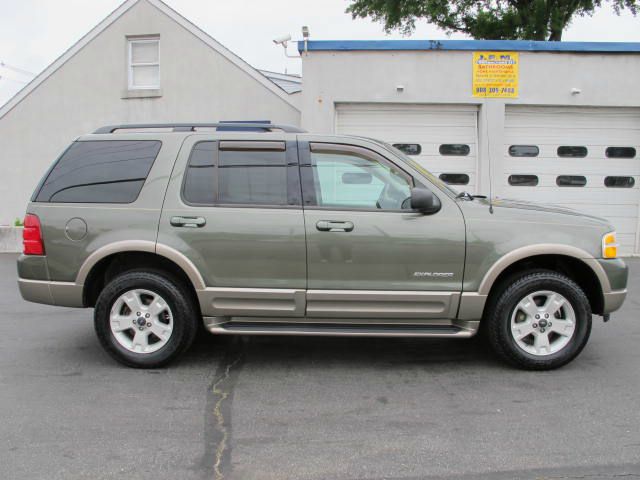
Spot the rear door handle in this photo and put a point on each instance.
(188, 222)
(333, 226)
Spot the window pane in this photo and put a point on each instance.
(145, 76)
(252, 177)
(620, 152)
(523, 180)
(619, 182)
(523, 151)
(409, 148)
(145, 52)
(455, 178)
(571, 181)
(348, 180)
(572, 152)
(199, 186)
(457, 149)
(100, 172)
(253, 185)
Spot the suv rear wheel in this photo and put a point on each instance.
(145, 319)
(539, 321)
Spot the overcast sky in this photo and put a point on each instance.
(33, 33)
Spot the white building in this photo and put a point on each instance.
(143, 63)
(567, 130)
(571, 134)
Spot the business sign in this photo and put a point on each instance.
(495, 74)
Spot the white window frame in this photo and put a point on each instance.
(130, 64)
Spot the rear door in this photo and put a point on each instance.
(233, 208)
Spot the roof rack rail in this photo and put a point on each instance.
(191, 127)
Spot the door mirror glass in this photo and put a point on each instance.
(357, 178)
(424, 201)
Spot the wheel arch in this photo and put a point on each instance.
(112, 259)
(570, 261)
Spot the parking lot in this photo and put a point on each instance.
(310, 408)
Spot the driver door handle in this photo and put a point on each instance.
(333, 226)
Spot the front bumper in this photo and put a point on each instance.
(617, 274)
(63, 294)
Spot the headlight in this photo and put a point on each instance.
(609, 245)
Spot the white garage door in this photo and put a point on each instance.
(443, 138)
(583, 158)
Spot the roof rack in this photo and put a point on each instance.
(191, 127)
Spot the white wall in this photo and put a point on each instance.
(197, 84)
(445, 77)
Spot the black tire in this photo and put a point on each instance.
(503, 304)
(180, 301)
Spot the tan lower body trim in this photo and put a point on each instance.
(614, 300)
(368, 304)
(471, 306)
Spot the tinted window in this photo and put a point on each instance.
(619, 182)
(355, 181)
(523, 151)
(571, 181)
(523, 180)
(199, 181)
(409, 148)
(572, 152)
(105, 171)
(620, 152)
(458, 149)
(239, 173)
(455, 178)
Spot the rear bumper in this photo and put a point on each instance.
(63, 294)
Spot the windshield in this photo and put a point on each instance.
(430, 176)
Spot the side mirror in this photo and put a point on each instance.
(424, 201)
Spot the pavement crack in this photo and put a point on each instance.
(217, 453)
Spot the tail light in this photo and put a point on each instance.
(32, 236)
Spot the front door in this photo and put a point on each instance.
(368, 254)
(233, 208)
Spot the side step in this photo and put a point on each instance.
(213, 325)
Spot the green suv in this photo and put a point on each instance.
(265, 229)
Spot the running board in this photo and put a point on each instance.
(213, 325)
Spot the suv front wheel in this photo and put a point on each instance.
(145, 319)
(539, 321)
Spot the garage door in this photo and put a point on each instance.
(443, 138)
(582, 158)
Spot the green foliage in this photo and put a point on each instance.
(18, 223)
(485, 19)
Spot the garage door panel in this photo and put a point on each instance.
(430, 126)
(593, 128)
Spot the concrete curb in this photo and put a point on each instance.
(10, 239)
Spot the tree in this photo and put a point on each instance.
(485, 19)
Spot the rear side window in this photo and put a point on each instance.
(101, 171)
(241, 173)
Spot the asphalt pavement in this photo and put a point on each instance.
(310, 408)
